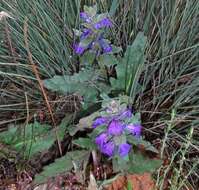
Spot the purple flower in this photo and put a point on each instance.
(84, 16)
(124, 149)
(85, 34)
(105, 46)
(115, 128)
(79, 49)
(99, 121)
(125, 114)
(108, 148)
(103, 23)
(101, 139)
(135, 129)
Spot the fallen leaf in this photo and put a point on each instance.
(138, 181)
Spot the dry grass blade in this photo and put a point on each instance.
(35, 71)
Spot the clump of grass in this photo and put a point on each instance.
(179, 171)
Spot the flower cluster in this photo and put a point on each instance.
(92, 35)
(117, 125)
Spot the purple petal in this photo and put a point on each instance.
(101, 139)
(135, 129)
(99, 121)
(107, 49)
(115, 128)
(84, 16)
(125, 114)
(124, 149)
(103, 23)
(108, 149)
(105, 46)
(85, 34)
(79, 49)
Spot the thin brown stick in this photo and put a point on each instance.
(35, 71)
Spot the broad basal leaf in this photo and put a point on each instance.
(83, 83)
(61, 165)
(140, 164)
(137, 163)
(32, 138)
(146, 145)
(127, 69)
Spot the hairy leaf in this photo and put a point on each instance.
(85, 143)
(63, 164)
(140, 164)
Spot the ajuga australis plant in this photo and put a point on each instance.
(116, 134)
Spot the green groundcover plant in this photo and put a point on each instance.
(116, 134)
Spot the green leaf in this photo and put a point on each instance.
(98, 130)
(85, 143)
(10, 136)
(119, 139)
(32, 138)
(147, 145)
(82, 83)
(116, 49)
(85, 42)
(135, 119)
(86, 122)
(127, 70)
(100, 17)
(61, 165)
(107, 60)
(115, 4)
(140, 164)
(120, 164)
(37, 145)
(92, 11)
(87, 58)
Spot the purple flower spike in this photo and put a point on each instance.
(105, 46)
(135, 129)
(115, 128)
(107, 49)
(124, 149)
(84, 16)
(101, 139)
(103, 23)
(99, 121)
(85, 34)
(108, 149)
(79, 49)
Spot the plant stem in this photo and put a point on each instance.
(95, 160)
